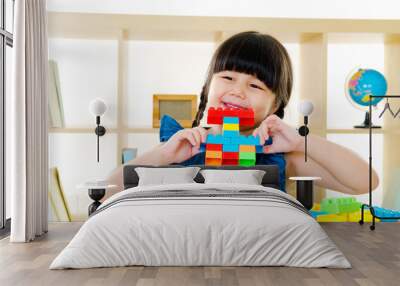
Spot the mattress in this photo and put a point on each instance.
(201, 225)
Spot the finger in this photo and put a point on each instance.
(261, 134)
(195, 151)
(197, 136)
(272, 118)
(273, 129)
(189, 136)
(203, 133)
(255, 132)
(268, 149)
(266, 131)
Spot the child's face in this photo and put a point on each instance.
(240, 90)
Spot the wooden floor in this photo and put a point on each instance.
(375, 256)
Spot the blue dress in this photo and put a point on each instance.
(170, 126)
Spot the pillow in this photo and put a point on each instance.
(166, 176)
(248, 177)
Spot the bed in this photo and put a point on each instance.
(198, 224)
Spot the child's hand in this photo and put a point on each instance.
(285, 138)
(184, 144)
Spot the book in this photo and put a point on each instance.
(55, 105)
(57, 198)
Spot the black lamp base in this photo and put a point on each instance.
(304, 193)
(96, 195)
(100, 130)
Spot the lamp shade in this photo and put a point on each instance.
(97, 107)
(306, 107)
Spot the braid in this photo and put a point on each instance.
(280, 112)
(202, 107)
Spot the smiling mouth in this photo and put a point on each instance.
(232, 105)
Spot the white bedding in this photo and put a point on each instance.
(225, 231)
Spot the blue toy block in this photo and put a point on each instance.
(253, 140)
(238, 140)
(259, 149)
(315, 213)
(228, 140)
(231, 133)
(215, 139)
(230, 148)
(231, 120)
(383, 213)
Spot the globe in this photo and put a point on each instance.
(361, 84)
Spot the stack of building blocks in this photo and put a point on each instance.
(231, 148)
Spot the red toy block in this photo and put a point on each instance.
(214, 147)
(230, 162)
(230, 155)
(213, 162)
(246, 122)
(230, 112)
(246, 113)
(215, 115)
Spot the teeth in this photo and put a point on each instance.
(232, 106)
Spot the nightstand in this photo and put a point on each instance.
(304, 190)
(96, 192)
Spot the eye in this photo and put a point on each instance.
(227, 77)
(256, 86)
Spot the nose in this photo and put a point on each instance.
(238, 91)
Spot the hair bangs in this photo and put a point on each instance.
(250, 57)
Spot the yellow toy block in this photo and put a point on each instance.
(247, 148)
(213, 162)
(316, 207)
(230, 127)
(213, 154)
(356, 216)
(332, 218)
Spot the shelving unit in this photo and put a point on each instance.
(313, 37)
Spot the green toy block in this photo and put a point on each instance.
(340, 205)
(247, 159)
(247, 162)
(247, 155)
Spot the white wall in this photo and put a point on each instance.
(339, 9)
(87, 70)
(346, 53)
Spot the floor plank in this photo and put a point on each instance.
(374, 255)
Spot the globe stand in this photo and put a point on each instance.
(366, 122)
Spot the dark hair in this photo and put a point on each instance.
(255, 54)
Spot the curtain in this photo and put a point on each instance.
(28, 120)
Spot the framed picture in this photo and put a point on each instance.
(182, 107)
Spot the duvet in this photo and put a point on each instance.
(201, 224)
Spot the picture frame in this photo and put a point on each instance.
(182, 107)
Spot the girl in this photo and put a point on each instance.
(253, 70)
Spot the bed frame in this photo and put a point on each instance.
(270, 179)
